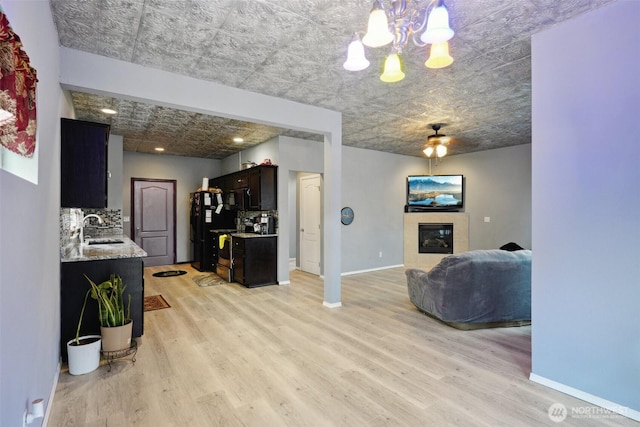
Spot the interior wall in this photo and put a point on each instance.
(586, 229)
(114, 165)
(29, 233)
(188, 173)
(497, 186)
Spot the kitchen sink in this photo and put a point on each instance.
(105, 242)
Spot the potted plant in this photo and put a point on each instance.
(83, 352)
(115, 320)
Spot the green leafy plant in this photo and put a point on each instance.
(81, 316)
(110, 297)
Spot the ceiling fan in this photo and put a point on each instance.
(436, 143)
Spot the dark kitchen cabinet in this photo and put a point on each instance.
(255, 260)
(263, 188)
(74, 286)
(83, 164)
(255, 188)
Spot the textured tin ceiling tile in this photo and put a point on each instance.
(295, 49)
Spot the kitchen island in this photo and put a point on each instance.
(98, 259)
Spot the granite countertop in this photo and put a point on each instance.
(94, 252)
(251, 235)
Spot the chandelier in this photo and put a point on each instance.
(396, 25)
(436, 144)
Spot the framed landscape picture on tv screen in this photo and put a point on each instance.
(435, 192)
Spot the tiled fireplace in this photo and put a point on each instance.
(430, 236)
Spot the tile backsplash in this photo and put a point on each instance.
(71, 218)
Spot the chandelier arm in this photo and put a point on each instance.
(399, 27)
(418, 26)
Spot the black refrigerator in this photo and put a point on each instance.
(207, 213)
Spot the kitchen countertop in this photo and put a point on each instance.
(85, 252)
(251, 235)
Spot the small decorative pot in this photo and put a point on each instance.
(116, 338)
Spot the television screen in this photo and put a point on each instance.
(435, 192)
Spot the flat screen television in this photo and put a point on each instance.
(435, 192)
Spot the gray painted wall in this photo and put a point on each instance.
(114, 163)
(188, 173)
(29, 233)
(586, 229)
(498, 186)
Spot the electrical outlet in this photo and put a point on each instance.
(487, 219)
(126, 219)
(380, 254)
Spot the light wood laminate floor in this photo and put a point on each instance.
(227, 356)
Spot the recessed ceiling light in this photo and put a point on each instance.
(159, 149)
(238, 139)
(109, 111)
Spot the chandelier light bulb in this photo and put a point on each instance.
(378, 33)
(356, 60)
(441, 150)
(393, 69)
(438, 29)
(439, 56)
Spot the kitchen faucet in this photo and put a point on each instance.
(100, 221)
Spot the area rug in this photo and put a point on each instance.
(169, 273)
(210, 279)
(155, 302)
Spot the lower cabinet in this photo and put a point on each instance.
(255, 260)
(74, 286)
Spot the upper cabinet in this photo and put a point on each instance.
(83, 164)
(252, 189)
(263, 188)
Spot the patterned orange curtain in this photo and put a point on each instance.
(17, 93)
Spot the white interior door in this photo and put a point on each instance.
(310, 232)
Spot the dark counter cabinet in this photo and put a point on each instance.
(74, 286)
(255, 260)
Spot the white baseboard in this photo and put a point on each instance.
(47, 411)
(332, 304)
(603, 403)
(348, 273)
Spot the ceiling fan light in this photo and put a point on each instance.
(428, 151)
(439, 56)
(441, 150)
(393, 69)
(438, 29)
(378, 33)
(356, 60)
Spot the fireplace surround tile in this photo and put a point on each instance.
(413, 259)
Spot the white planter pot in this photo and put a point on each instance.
(84, 358)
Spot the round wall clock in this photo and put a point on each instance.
(346, 215)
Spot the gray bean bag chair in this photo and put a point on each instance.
(475, 289)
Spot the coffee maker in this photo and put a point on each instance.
(267, 224)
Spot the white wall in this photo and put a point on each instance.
(188, 173)
(586, 228)
(29, 234)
